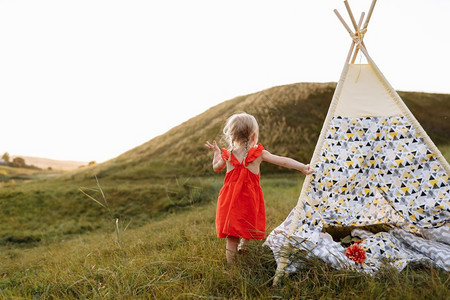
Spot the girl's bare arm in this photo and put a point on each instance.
(286, 162)
(218, 162)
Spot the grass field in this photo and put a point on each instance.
(179, 257)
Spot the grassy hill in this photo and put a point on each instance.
(290, 119)
(49, 223)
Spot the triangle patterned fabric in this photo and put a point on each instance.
(363, 158)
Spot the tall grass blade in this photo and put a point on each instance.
(92, 198)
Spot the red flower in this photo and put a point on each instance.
(356, 253)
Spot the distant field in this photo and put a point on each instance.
(17, 176)
(45, 163)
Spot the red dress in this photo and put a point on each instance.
(240, 208)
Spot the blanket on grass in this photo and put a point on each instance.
(397, 247)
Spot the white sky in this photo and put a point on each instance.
(90, 79)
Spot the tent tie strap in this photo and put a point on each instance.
(358, 37)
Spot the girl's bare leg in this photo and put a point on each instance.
(242, 245)
(231, 248)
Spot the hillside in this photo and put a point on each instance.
(290, 119)
(289, 116)
(173, 171)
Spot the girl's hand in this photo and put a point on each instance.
(212, 146)
(218, 162)
(307, 170)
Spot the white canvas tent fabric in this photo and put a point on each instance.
(374, 164)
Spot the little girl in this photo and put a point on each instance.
(240, 208)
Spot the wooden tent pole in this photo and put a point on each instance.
(350, 52)
(357, 49)
(361, 19)
(350, 32)
(372, 6)
(344, 23)
(352, 18)
(364, 28)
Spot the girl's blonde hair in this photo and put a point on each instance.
(239, 130)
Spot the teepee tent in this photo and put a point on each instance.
(374, 164)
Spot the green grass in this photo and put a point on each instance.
(179, 257)
(43, 211)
